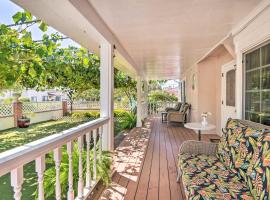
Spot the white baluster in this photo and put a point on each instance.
(70, 171)
(100, 142)
(80, 181)
(95, 155)
(57, 154)
(16, 176)
(40, 167)
(88, 173)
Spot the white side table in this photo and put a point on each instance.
(199, 127)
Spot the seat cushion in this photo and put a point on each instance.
(205, 177)
(246, 151)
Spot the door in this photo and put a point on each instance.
(228, 108)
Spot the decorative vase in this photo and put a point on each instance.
(204, 121)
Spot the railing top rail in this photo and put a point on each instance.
(19, 156)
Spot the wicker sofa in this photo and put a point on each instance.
(238, 167)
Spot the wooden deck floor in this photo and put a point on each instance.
(145, 163)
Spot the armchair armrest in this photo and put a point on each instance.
(198, 147)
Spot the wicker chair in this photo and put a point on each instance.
(175, 108)
(180, 116)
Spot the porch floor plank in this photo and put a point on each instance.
(145, 163)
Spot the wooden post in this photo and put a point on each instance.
(64, 107)
(106, 93)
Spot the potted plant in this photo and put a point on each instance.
(23, 122)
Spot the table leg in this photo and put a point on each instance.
(199, 132)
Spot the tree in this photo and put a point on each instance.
(21, 58)
(159, 95)
(73, 70)
(44, 64)
(126, 85)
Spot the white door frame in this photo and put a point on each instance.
(229, 109)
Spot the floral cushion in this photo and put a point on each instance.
(246, 152)
(205, 177)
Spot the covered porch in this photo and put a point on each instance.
(203, 44)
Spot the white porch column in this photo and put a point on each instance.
(106, 93)
(139, 102)
(146, 99)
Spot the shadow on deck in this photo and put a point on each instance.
(145, 163)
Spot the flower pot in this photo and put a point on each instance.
(23, 122)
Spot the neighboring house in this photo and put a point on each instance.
(38, 96)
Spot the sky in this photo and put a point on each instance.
(8, 9)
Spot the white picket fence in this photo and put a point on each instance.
(95, 105)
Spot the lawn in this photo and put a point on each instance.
(16, 137)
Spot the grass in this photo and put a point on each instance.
(16, 137)
(19, 136)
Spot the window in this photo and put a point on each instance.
(257, 85)
(45, 98)
(230, 88)
(34, 99)
(58, 98)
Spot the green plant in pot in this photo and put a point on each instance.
(23, 122)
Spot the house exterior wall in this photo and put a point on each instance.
(256, 33)
(206, 96)
(209, 87)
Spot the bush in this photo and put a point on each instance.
(122, 119)
(159, 95)
(128, 121)
(119, 113)
(24, 99)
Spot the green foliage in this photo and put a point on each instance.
(103, 170)
(155, 84)
(44, 64)
(159, 95)
(89, 95)
(24, 99)
(120, 113)
(128, 121)
(125, 85)
(123, 119)
(7, 100)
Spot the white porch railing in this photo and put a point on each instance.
(12, 161)
(155, 108)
